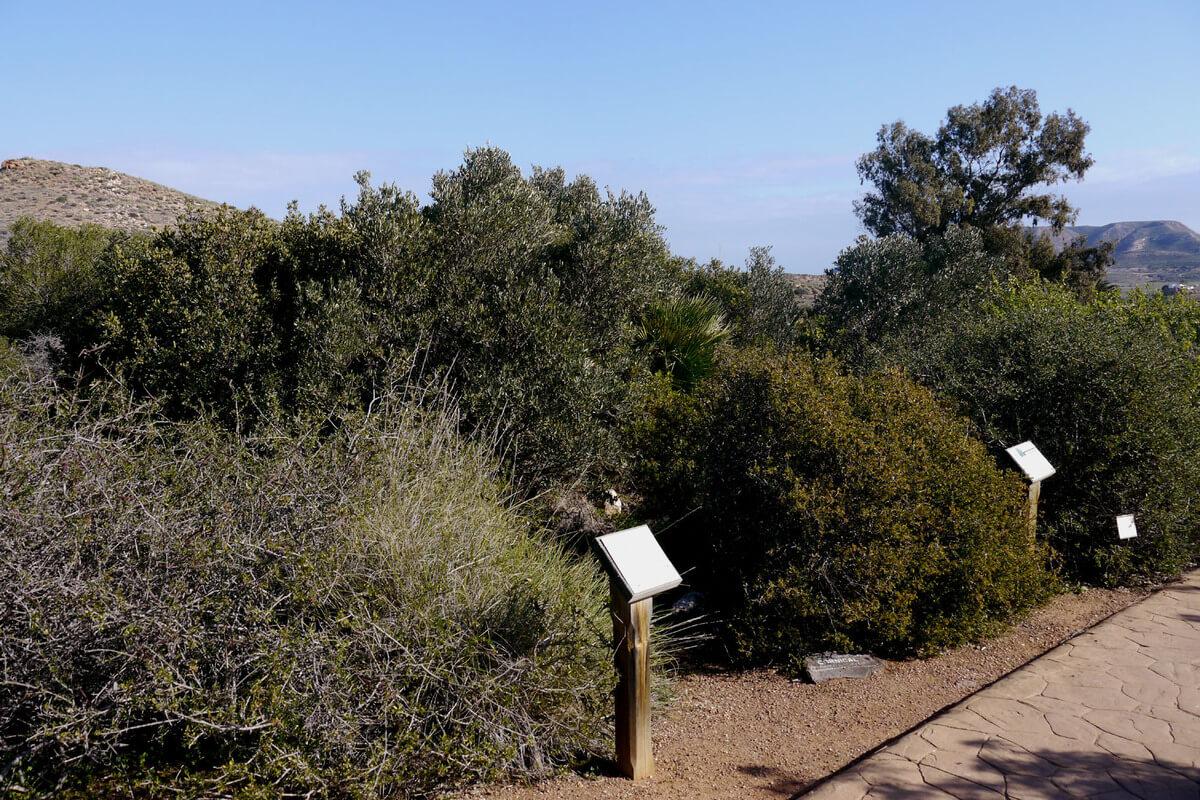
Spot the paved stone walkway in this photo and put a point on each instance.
(1113, 713)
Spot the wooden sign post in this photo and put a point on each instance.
(1036, 469)
(1035, 493)
(638, 569)
(631, 634)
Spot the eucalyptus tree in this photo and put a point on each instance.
(986, 166)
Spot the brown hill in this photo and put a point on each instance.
(72, 195)
(807, 286)
(1149, 252)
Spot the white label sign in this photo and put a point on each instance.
(1126, 529)
(639, 562)
(1031, 461)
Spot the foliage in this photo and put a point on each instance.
(185, 314)
(1110, 392)
(724, 283)
(360, 614)
(682, 335)
(1075, 265)
(536, 286)
(521, 291)
(759, 303)
(774, 311)
(980, 169)
(823, 510)
(894, 287)
(48, 278)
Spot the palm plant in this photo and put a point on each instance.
(682, 335)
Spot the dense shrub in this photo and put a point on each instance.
(895, 287)
(1110, 392)
(523, 291)
(186, 315)
(537, 283)
(359, 614)
(823, 510)
(49, 279)
(759, 303)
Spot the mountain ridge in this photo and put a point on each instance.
(1145, 252)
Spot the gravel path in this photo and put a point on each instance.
(758, 735)
(1113, 713)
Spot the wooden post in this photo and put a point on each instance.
(631, 636)
(1035, 491)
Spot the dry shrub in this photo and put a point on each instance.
(355, 612)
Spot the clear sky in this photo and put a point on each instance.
(740, 120)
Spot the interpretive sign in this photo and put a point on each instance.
(1031, 461)
(638, 562)
(827, 666)
(638, 569)
(1126, 528)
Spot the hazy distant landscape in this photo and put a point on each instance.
(1145, 253)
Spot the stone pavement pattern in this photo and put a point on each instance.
(1112, 713)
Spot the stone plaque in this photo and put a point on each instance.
(638, 562)
(1031, 461)
(1126, 528)
(826, 666)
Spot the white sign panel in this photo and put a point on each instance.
(639, 562)
(1031, 461)
(1126, 529)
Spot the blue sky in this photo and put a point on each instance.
(740, 120)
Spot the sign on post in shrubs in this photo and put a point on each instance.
(638, 569)
(1126, 527)
(1036, 469)
(1031, 461)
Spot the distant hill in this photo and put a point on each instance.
(1145, 253)
(72, 195)
(807, 286)
(1159, 251)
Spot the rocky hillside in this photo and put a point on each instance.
(71, 195)
(1159, 251)
(807, 286)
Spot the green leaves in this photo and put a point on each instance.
(980, 169)
(821, 509)
(682, 335)
(519, 291)
(1109, 391)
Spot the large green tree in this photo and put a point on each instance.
(989, 166)
(984, 168)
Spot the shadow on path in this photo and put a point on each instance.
(1028, 774)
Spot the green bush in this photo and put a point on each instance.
(823, 510)
(359, 614)
(49, 278)
(759, 303)
(521, 291)
(186, 316)
(893, 288)
(537, 283)
(1110, 392)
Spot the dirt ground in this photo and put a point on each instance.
(760, 735)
